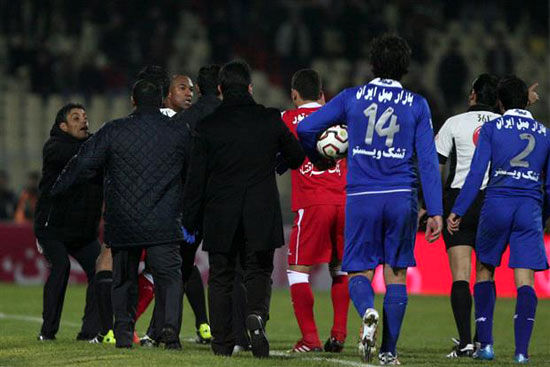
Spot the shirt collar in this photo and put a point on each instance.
(310, 105)
(386, 83)
(519, 113)
(167, 111)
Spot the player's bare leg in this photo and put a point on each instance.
(340, 305)
(524, 317)
(103, 281)
(485, 298)
(302, 302)
(362, 296)
(460, 261)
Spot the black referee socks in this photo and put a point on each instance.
(461, 302)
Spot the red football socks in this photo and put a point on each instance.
(340, 303)
(302, 301)
(146, 293)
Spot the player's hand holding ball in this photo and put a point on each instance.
(333, 142)
(453, 222)
(434, 226)
(332, 145)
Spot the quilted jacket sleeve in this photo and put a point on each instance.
(85, 164)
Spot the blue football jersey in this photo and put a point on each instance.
(517, 147)
(390, 139)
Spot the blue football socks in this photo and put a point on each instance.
(395, 304)
(484, 298)
(361, 293)
(524, 319)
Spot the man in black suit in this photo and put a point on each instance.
(67, 225)
(231, 186)
(144, 158)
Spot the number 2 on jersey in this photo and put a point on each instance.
(378, 126)
(518, 161)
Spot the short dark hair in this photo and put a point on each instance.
(235, 75)
(65, 110)
(147, 94)
(485, 88)
(308, 83)
(390, 56)
(208, 79)
(158, 75)
(512, 92)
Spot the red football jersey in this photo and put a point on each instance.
(310, 186)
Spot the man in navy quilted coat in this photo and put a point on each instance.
(144, 158)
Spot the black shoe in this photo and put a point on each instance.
(98, 339)
(258, 340)
(84, 336)
(148, 342)
(44, 338)
(333, 345)
(169, 338)
(458, 351)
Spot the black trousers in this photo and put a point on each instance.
(257, 268)
(187, 253)
(239, 309)
(165, 265)
(57, 254)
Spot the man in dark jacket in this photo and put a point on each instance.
(232, 180)
(209, 100)
(143, 156)
(68, 224)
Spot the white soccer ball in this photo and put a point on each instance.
(333, 142)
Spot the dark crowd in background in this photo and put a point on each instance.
(89, 47)
(97, 46)
(18, 207)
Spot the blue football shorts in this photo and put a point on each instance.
(516, 221)
(380, 229)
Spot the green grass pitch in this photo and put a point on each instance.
(425, 337)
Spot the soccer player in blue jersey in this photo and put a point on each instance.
(517, 147)
(390, 140)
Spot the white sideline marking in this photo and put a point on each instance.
(32, 319)
(319, 359)
(275, 353)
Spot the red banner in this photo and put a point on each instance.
(432, 274)
(21, 263)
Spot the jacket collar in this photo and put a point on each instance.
(209, 98)
(519, 113)
(146, 110)
(235, 98)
